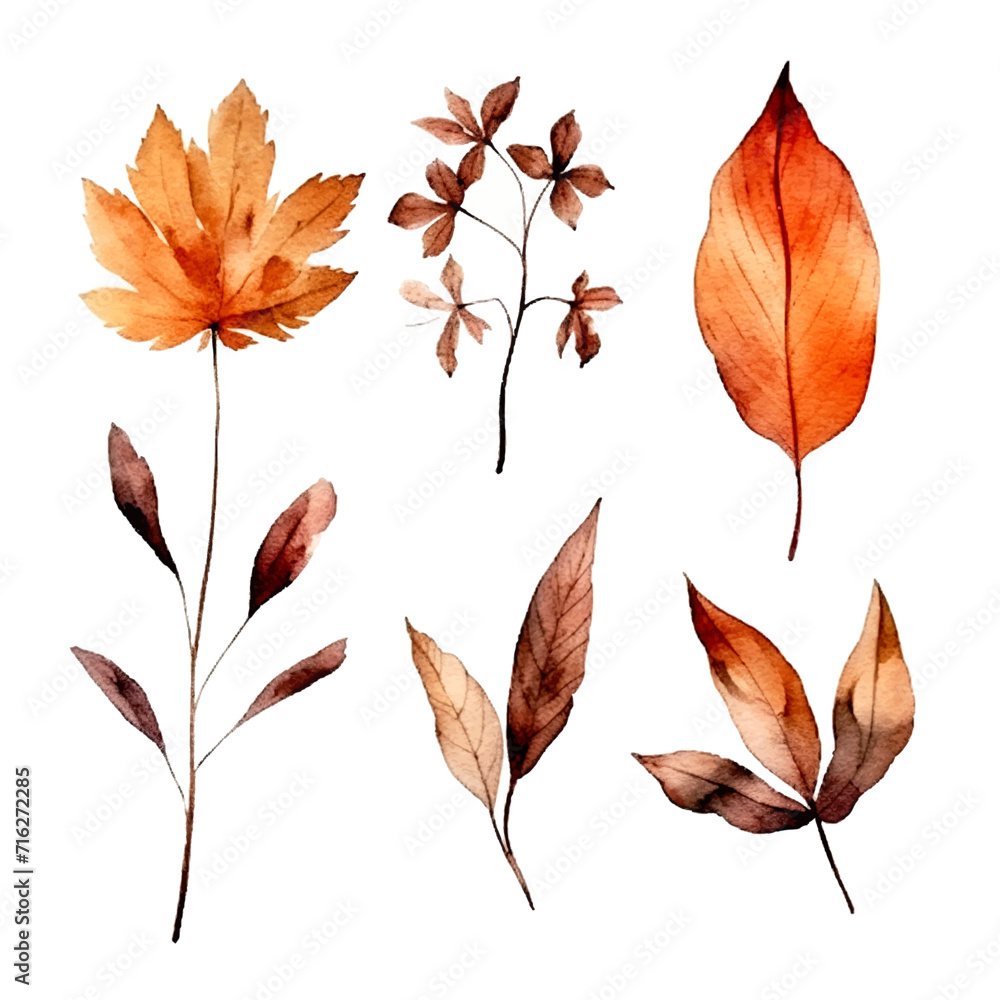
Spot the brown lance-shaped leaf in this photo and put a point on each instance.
(123, 692)
(787, 282)
(551, 650)
(703, 782)
(135, 494)
(465, 721)
(297, 678)
(872, 714)
(763, 693)
(290, 543)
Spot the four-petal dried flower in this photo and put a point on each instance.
(413, 211)
(588, 179)
(417, 293)
(579, 324)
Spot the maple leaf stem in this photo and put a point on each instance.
(193, 701)
(833, 864)
(507, 851)
(798, 514)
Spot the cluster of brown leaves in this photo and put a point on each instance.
(282, 556)
(206, 248)
(414, 211)
(548, 668)
(872, 722)
(787, 283)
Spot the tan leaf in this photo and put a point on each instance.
(589, 180)
(445, 130)
(704, 783)
(551, 650)
(872, 714)
(418, 294)
(466, 723)
(565, 203)
(447, 343)
(412, 211)
(462, 112)
(763, 693)
(531, 160)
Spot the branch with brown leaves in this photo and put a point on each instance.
(548, 668)
(872, 722)
(207, 252)
(556, 177)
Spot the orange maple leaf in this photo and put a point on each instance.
(206, 248)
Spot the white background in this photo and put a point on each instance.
(761, 916)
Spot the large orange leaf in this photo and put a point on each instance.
(787, 283)
(206, 247)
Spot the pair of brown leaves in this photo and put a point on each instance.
(548, 668)
(206, 248)
(872, 722)
(787, 284)
(414, 211)
(282, 556)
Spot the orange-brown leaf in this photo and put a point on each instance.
(497, 106)
(704, 783)
(564, 137)
(412, 211)
(787, 281)
(872, 714)
(589, 180)
(297, 678)
(531, 160)
(444, 183)
(445, 130)
(447, 343)
(438, 235)
(290, 543)
(551, 650)
(123, 692)
(461, 111)
(565, 203)
(763, 693)
(465, 721)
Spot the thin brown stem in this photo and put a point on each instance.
(833, 864)
(547, 298)
(217, 745)
(505, 843)
(798, 514)
(488, 225)
(229, 646)
(521, 306)
(192, 767)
